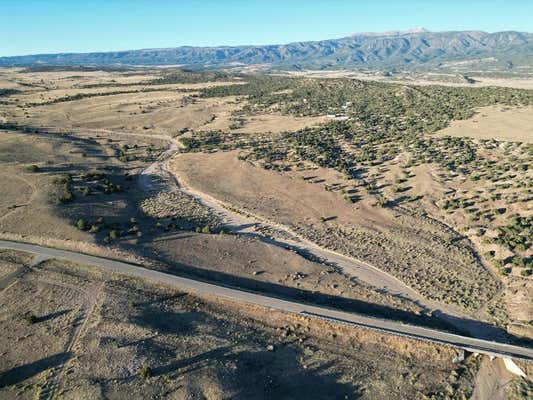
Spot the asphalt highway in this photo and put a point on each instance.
(490, 348)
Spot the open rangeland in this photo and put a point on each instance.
(450, 78)
(359, 191)
(302, 203)
(120, 101)
(75, 332)
(502, 123)
(150, 165)
(309, 194)
(76, 192)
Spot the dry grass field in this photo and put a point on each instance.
(126, 102)
(406, 213)
(429, 184)
(495, 122)
(32, 213)
(32, 166)
(32, 210)
(379, 235)
(422, 79)
(309, 199)
(86, 334)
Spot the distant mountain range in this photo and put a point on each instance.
(398, 49)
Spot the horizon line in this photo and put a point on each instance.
(414, 31)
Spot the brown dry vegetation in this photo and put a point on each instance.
(389, 239)
(445, 215)
(12, 261)
(413, 236)
(117, 101)
(422, 79)
(31, 201)
(76, 155)
(101, 336)
(36, 216)
(475, 195)
(502, 123)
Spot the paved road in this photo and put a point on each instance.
(250, 224)
(470, 344)
(158, 176)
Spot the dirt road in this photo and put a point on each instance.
(159, 177)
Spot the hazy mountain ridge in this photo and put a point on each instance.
(397, 49)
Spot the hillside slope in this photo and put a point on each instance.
(395, 49)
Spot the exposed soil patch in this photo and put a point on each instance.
(513, 124)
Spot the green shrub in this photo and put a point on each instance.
(30, 319)
(146, 372)
(63, 179)
(490, 254)
(518, 261)
(33, 168)
(382, 202)
(81, 224)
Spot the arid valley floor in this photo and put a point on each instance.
(404, 201)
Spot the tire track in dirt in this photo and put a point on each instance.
(33, 193)
(53, 383)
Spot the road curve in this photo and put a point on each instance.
(490, 348)
(159, 176)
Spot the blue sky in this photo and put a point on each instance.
(51, 26)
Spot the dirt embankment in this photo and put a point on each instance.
(411, 246)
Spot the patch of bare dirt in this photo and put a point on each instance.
(514, 124)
